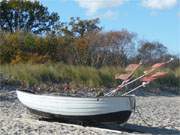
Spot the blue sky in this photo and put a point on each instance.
(153, 20)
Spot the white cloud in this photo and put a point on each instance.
(109, 14)
(92, 6)
(159, 4)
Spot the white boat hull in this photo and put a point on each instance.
(79, 107)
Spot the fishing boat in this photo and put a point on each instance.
(85, 109)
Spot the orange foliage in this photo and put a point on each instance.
(81, 44)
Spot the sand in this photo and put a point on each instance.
(153, 115)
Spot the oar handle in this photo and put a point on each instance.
(142, 85)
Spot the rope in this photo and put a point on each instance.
(142, 118)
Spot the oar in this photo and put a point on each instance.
(155, 67)
(124, 82)
(147, 80)
(142, 85)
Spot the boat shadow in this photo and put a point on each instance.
(130, 128)
(140, 129)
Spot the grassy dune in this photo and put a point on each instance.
(75, 75)
(60, 73)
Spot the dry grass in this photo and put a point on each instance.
(60, 73)
(76, 75)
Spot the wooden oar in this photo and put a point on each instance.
(154, 67)
(147, 80)
(142, 85)
(125, 77)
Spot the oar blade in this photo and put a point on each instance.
(130, 69)
(154, 76)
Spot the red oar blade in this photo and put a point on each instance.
(130, 69)
(123, 76)
(159, 74)
(154, 76)
(158, 65)
(148, 79)
(162, 64)
(155, 66)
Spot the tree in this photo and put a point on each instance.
(111, 48)
(27, 16)
(75, 34)
(80, 28)
(150, 52)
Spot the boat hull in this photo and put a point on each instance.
(119, 117)
(99, 109)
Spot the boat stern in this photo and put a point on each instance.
(132, 102)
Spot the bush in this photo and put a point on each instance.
(7, 53)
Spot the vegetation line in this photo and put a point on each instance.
(76, 75)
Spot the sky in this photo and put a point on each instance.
(152, 20)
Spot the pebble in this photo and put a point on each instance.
(158, 115)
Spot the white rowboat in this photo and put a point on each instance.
(100, 109)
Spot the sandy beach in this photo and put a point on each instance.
(154, 115)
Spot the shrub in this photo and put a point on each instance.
(7, 53)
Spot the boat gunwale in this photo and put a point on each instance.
(31, 93)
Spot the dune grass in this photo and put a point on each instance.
(61, 73)
(76, 75)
